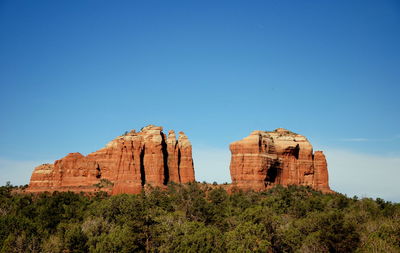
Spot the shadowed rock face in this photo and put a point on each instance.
(125, 165)
(265, 159)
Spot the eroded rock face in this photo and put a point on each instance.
(125, 165)
(265, 159)
(185, 158)
(42, 177)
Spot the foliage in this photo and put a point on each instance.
(103, 183)
(197, 218)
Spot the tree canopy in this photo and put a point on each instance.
(197, 218)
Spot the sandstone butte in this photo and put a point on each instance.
(265, 159)
(125, 165)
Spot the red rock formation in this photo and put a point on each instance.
(321, 172)
(265, 159)
(173, 160)
(42, 177)
(74, 172)
(185, 159)
(125, 165)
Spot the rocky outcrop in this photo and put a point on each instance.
(265, 159)
(185, 158)
(125, 165)
(321, 177)
(42, 176)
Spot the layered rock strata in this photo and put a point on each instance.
(265, 159)
(125, 165)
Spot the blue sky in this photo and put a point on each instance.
(75, 74)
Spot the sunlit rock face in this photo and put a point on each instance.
(265, 159)
(124, 165)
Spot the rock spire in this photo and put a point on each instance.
(124, 165)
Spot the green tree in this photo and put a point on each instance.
(248, 237)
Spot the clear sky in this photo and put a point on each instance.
(75, 74)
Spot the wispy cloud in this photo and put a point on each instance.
(354, 139)
(394, 138)
(17, 172)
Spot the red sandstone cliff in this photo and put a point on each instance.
(125, 165)
(265, 159)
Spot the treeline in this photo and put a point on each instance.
(197, 218)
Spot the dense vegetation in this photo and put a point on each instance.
(197, 218)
